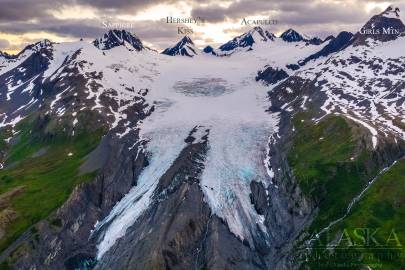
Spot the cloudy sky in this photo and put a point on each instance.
(26, 21)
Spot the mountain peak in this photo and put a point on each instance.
(383, 27)
(391, 12)
(187, 39)
(291, 36)
(264, 35)
(184, 47)
(254, 35)
(114, 38)
(5, 55)
(42, 45)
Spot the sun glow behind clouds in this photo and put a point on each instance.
(381, 6)
(20, 41)
(159, 12)
(74, 12)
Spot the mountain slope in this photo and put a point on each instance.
(346, 131)
(342, 40)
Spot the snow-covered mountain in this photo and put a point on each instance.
(293, 36)
(185, 47)
(383, 27)
(4, 55)
(246, 40)
(196, 165)
(259, 39)
(114, 38)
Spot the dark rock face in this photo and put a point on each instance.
(328, 38)
(247, 40)
(271, 75)
(258, 197)
(334, 45)
(209, 49)
(7, 56)
(69, 246)
(184, 47)
(293, 66)
(315, 41)
(114, 38)
(291, 36)
(383, 27)
(158, 242)
(243, 42)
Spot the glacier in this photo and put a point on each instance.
(220, 95)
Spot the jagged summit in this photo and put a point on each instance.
(385, 26)
(114, 38)
(330, 37)
(43, 45)
(291, 36)
(391, 12)
(184, 47)
(187, 40)
(6, 55)
(335, 44)
(257, 34)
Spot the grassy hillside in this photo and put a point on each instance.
(373, 234)
(41, 171)
(331, 170)
(328, 165)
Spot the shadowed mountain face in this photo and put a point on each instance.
(114, 38)
(257, 34)
(383, 27)
(293, 36)
(249, 156)
(334, 45)
(185, 47)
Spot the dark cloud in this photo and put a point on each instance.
(211, 13)
(25, 10)
(121, 4)
(323, 13)
(82, 28)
